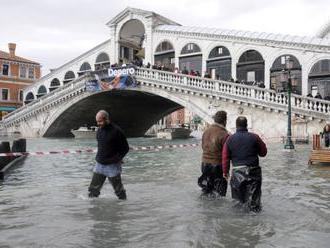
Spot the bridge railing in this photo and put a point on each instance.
(66, 89)
(251, 94)
(234, 90)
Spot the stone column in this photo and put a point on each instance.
(267, 73)
(113, 53)
(148, 53)
(204, 57)
(233, 68)
(304, 81)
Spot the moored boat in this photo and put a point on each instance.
(84, 132)
(174, 133)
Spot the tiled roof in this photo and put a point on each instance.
(247, 34)
(5, 55)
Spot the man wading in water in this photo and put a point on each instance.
(212, 142)
(112, 147)
(243, 149)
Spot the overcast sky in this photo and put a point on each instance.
(52, 32)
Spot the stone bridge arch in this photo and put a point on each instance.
(143, 107)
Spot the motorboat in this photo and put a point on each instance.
(85, 132)
(174, 133)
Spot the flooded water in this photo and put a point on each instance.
(44, 203)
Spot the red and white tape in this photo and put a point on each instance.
(134, 148)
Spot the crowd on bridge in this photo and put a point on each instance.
(196, 73)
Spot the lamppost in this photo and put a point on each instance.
(286, 77)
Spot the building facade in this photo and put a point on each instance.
(16, 73)
(253, 58)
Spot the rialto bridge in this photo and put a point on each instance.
(59, 101)
(160, 93)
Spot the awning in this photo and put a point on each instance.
(4, 108)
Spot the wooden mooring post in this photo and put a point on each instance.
(8, 161)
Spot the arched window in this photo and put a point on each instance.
(84, 68)
(190, 61)
(102, 61)
(68, 77)
(295, 73)
(219, 52)
(250, 56)
(29, 98)
(165, 56)
(251, 68)
(190, 48)
(131, 42)
(218, 64)
(54, 84)
(319, 79)
(164, 46)
(41, 91)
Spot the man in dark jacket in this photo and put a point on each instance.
(212, 142)
(243, 149)
(112, 147)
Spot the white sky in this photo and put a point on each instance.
(52, 32)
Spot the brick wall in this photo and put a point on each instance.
(14, 83)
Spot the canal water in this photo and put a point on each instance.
(44, 203)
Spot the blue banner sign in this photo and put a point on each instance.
(112, 78)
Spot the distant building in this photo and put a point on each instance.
(16, 73)
(176, 118)
(245, 57)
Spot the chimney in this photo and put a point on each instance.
(12, 48)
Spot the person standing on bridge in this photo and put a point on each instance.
(243, 149)
(326, 135)
(212, 143)
(112, 147)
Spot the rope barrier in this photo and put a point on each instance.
(133, 148)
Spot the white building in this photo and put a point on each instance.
(249, 57)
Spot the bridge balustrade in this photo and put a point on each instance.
(46, 99)
(245, 93)
(267, 96)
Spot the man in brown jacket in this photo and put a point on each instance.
(212, 142)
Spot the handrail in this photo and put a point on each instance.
(250, 94)
(51, 97)
(266, 96)
(47, 96)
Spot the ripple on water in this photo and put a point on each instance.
(48, 196)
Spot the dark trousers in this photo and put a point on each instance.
(246, 186)
(98, 181)
(212, 179)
